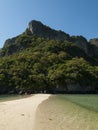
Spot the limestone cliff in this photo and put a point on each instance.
(41, 30)
(38, 29)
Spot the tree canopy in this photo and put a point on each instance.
(45, 65)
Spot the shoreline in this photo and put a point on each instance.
(20, 114)
(57, 113)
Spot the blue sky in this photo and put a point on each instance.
(76, 17)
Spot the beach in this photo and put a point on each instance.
(20, 114)
(46, 112)
(57, 113)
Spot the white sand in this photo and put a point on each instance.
(20, 114)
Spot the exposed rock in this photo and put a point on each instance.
(41, 30)
(77, 88)
(94, 43)
(36, 28)
(73, 87)
(81, 42)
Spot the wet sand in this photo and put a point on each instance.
(20, 114)
(58, 114)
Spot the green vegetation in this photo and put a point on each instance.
(43, 65)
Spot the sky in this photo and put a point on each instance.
(75, 17)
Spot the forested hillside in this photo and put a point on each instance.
(34, 62)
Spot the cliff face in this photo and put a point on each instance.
(94, 43)
(48, 60)
(41, 30)
(81, 42)
(38, 29)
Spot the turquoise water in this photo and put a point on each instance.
(87, 101)
(68, 112)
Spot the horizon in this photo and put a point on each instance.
(73, 17)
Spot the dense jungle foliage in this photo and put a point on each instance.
(43, 65)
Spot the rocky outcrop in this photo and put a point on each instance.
(94, 44)
(78, 88)
(81, 42)
(38, 29)
(41, 30)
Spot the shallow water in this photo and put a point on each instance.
(60, 114)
